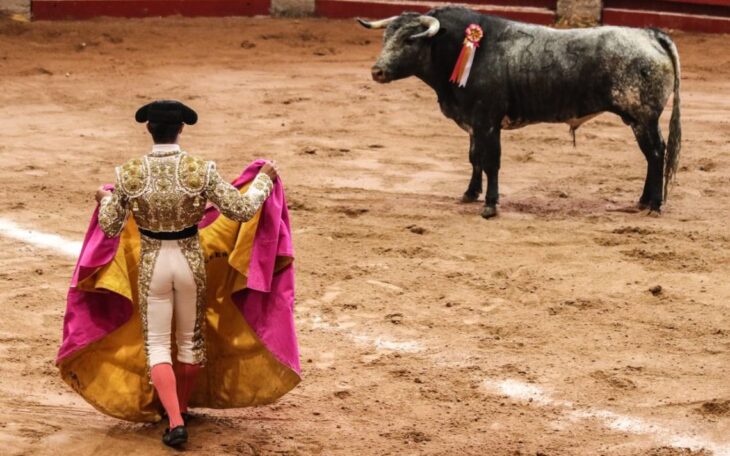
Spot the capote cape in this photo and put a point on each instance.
(251, 343)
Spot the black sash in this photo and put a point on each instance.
(171, 235)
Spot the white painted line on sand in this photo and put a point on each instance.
(522, 391)
(386, 285)
(514, 389)
(39, 239)
(380, 343)
(519, 390)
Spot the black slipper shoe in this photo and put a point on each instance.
(175, 437)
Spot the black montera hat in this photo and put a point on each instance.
(166, 111)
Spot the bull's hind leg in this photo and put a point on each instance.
(489, 147)
(475, 184)
(649, 137)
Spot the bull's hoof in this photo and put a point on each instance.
(652, 208)
(469, 198)
(489, 212)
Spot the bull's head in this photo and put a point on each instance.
(405, 45)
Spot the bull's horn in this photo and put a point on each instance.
(433, 25)
(376, 24)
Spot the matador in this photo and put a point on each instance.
(166, 193)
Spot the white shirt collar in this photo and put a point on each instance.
(163, 150)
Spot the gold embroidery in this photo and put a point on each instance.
(233, 204)
(163, 185)
(112, 213)
(193, 253)
(149, 249)
(132, 177)
(192, 173)
(165, 192)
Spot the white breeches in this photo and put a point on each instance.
(172, 292)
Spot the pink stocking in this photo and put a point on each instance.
(186, 375)
(163, 378)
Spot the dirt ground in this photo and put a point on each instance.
(424, 329)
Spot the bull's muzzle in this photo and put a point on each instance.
(378, 75)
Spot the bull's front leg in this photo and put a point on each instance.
(475, 183)
(489, 148)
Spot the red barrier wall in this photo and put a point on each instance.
(85, 9)
(709, 16)
(692, 15)
(383, 8)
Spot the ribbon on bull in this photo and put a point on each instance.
(460, 75)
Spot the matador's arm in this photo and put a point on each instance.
(235, 205)
(113, 213)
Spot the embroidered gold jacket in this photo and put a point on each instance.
(167, 191)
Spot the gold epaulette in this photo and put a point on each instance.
(193, 174)
(133, 177)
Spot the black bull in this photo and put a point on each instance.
(524, 74)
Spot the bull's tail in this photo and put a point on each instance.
(674, 142)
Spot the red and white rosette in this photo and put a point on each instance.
(460, 75)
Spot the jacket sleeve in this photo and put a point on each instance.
(113, 213)
(235, 205)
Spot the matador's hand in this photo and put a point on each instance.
(101, 193)
(270, 169)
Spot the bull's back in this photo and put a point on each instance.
(557, 75)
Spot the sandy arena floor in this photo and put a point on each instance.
(424, 329)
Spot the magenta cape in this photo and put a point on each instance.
(266, 304)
